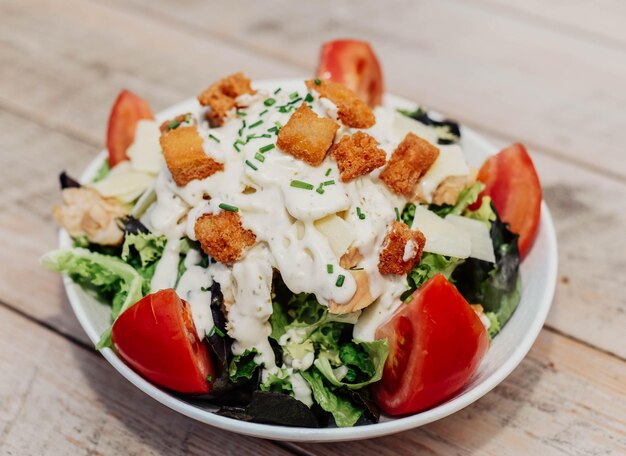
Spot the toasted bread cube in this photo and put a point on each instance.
(357, 155)
(175, 122)
(222, 236)
(402, 249)
(307, 136)
(220, 96)
(408, 163)
(352, 111)
(184, 156)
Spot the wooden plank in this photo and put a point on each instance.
(597, 20)
(552, 404)
(563, 94)
(72, 80)
(57, 398)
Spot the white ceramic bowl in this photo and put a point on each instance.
(506, 351)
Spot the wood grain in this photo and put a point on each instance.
(561, 93)
(552, 74)
(58, 398)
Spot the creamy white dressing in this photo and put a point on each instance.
(410, 250)
(258, 179)
(193, 287)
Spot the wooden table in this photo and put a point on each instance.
(551, 74)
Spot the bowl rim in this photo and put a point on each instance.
(394, 425)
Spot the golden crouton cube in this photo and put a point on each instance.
(410, 161)
(357, 155)
(307, 136)
(222, 236)
(402, 249)
(184, 156)
(352, 111)
(220, 96)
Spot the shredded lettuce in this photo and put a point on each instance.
(108, 276)
(278, 382)
(430, 265)
(242, 366)
(364, 362)
(343, 411)
(103, 171)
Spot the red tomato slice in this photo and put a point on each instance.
(158, 339)
(513, 185)
(354, 64)
(436, 343)
(127, 110)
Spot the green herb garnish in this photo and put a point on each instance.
(214, 138)
(228, 207)
(269, 102)
(340, 280)
(329, 268)
(251, 165)
(266, 148)
(302, 185)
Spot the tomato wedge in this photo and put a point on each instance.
(157, 338)
(513, 185)
(436, 343)
(354, 64)
(127, 110)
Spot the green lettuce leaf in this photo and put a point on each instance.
(494, 324)
(242, 366)
(103, 171)
(147, 247)
(485, 213)
(495, 286)
(108, 275)
(278, 382)
(430, 265)
(364, 362)
(343, 411)
(466, 197)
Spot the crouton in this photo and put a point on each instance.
(222, 236)
(408, 163)
(184, 156)
(307, 136)
(176, 122)
(220, 96)
(352, 111)
(402, 249)
(357, 155)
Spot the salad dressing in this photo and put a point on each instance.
(282, 200)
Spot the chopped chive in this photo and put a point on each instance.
(273, 130)
(187, 118)
(214, 138)
(397, 213)
(320, 190)
(228, 207)
(218, 331)
(236, 146)
(241, 113)
(241, 142)
(328, 172)
(277, 90)
(318, 82)
(251, 165)
(278, 124)
(302, 185)
(173, 124)
(285, 108)
(308, 98)
(209, 378)
(243, 125)
(266, 148)
(329, 268)
(256, 124)
(330, 182)
(408, 299)
(293, 95)
(269, 102)
(293, 102)
(263, 112)
(356, 269)
(259, 157)
(360, 214)
(340, 279)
